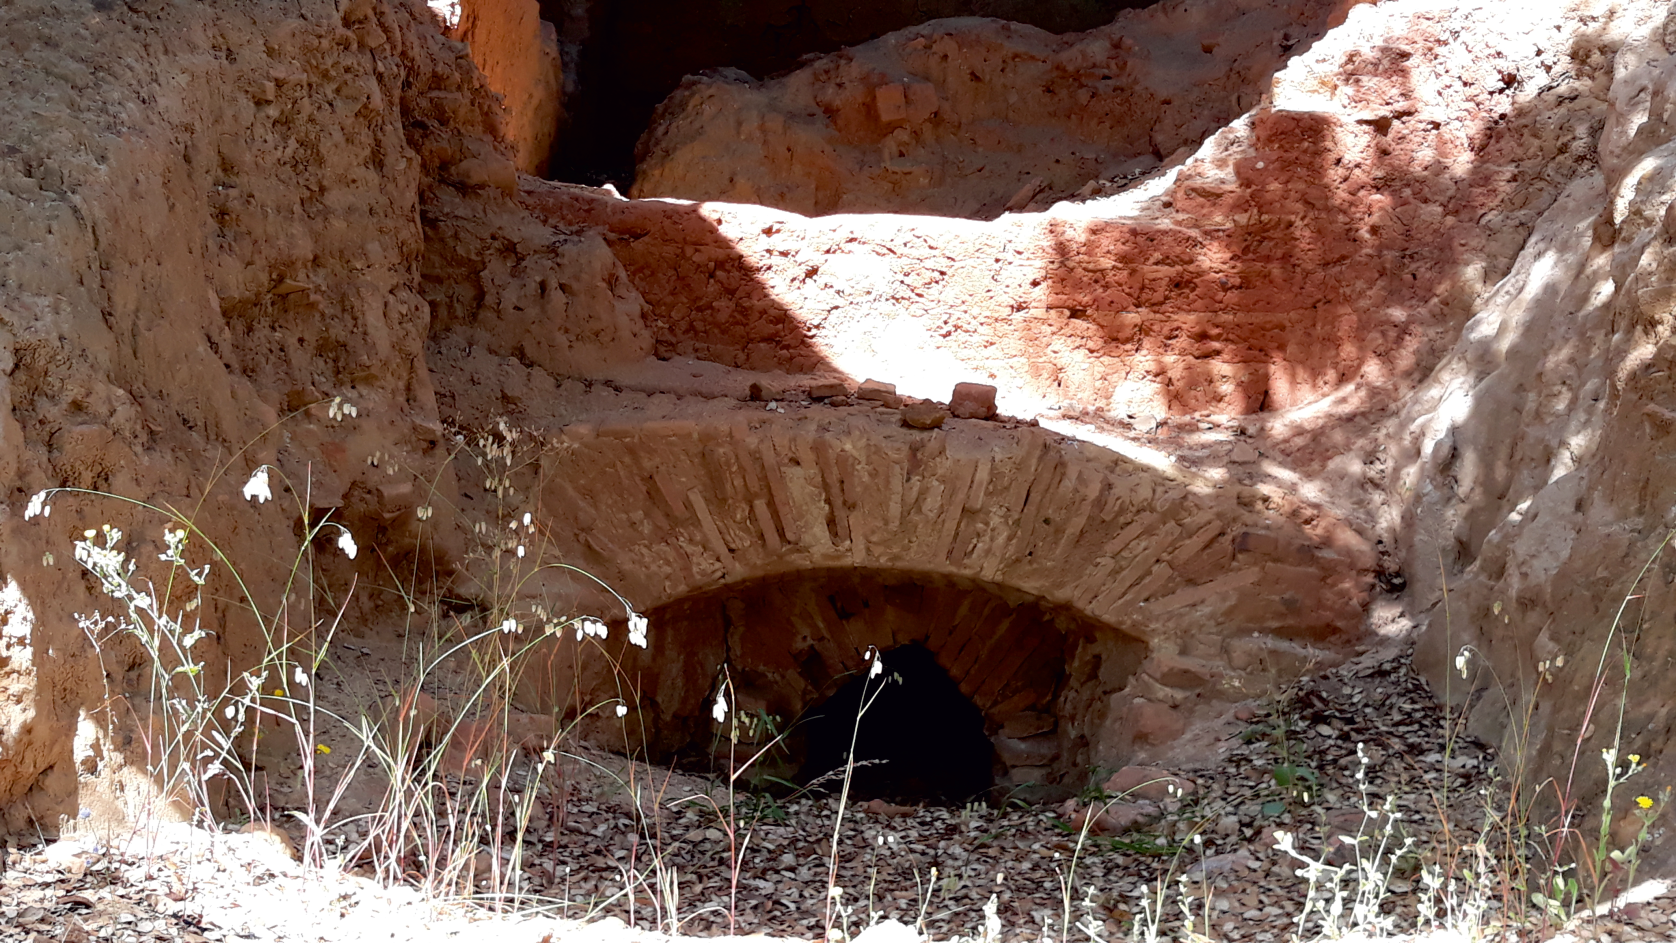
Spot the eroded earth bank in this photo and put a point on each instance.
(1121, 378)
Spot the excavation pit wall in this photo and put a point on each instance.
(780, 547)
(1330, 242)
(971, 117)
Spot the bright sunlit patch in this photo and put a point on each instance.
(448, 11)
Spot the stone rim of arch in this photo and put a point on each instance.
(1230, 601)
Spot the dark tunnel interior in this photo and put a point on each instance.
(916, 737)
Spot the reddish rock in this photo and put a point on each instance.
(518, 53)
(1109, 818)
(1027, 723)
(1148, 782)
(828, 390)
(1153, 723)
(924, 415)
(492, 171)
(876, 390)
(1179, 671)
(972, 401)
(1030, 751)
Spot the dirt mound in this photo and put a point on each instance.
(970, 117)
(215, 220)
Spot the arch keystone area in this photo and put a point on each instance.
(1147, 601)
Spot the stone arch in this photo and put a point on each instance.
(1175, 596)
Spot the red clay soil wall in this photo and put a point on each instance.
(631, 54)
(969, 117)
(518, 53)
(215, 220)
(1299, 252)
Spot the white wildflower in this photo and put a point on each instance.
(1462, 660)
(37, 505)
(346, 543)
(257, 488)
(878, 664)
(637, 629)
(594, 627)
(622, 710)
(720, 710)
(509, 626)
(300, 677)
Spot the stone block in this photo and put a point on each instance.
(1029, 751)
(972, 401)
(892, 101)
(492, 171)
(922, 102)
(1109, 818)
(1028, 775)
(1178, 671)
(876, 390)
(1153, 723)
(1148, 782)
(766, 392)
(924, 415)
(828, 390)
(1027, 724)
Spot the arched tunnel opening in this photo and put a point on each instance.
(982, 689)
(904, 732)
(622, 58)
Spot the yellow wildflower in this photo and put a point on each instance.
(1644, 802)
(1635, 757)
(322, 749)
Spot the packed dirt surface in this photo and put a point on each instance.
(1172, 402)
(932, 868)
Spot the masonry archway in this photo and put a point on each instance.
(781, 547)
(792, 645)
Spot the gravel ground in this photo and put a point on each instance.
(1299, 767)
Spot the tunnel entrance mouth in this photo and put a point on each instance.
(1009, 680)
(903, 733)
(621, 59)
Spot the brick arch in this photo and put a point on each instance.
(1221, 596)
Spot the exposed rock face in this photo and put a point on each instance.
(212, 220)
(1327, 244)
(1535, 469)
(629, 55)
(518, 54)
(967, 117)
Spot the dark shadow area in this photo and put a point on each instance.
(916, 737)
(630, 54)
(703, 296)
